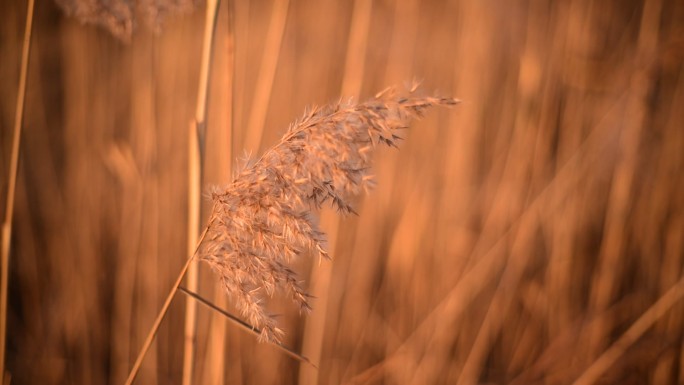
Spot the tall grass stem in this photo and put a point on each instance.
(12, 184)
(196, 155)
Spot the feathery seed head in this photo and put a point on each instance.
(263, 220)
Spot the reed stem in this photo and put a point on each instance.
(165, 308)
(196, 157)
(12, 184)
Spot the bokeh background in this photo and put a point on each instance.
(533, 234)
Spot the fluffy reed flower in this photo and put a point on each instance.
(263, 220)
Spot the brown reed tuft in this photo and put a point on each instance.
(121, 17)
(263, 220)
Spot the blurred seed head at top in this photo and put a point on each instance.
(123, 17)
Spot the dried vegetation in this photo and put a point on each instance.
(263, 219)
(533, 235)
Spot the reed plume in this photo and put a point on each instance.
(263, 220)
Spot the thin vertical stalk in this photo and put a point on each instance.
(12, 184)
(194, 181)
(215, 357)
(196, 153)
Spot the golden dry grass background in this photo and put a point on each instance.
(514, 239)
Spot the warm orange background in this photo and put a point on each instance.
(512, 239)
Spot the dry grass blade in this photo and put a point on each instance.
(245, 326)
(263, 219)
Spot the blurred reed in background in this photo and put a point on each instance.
(534, 234)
